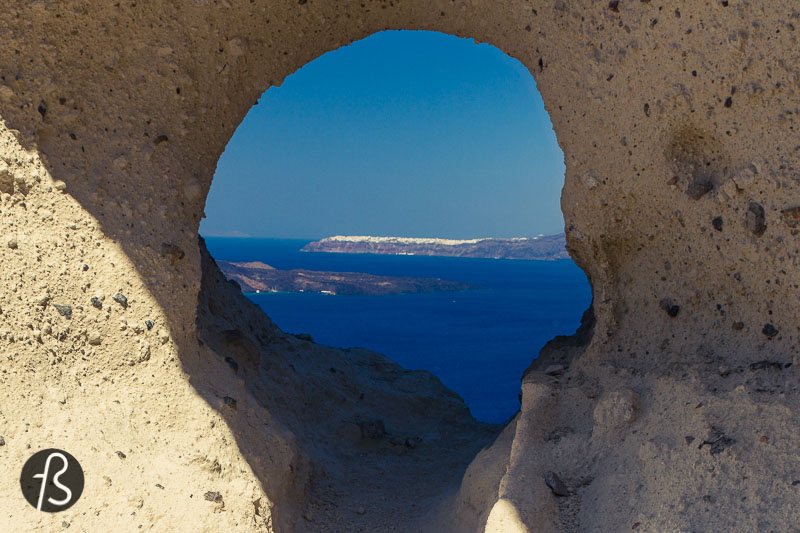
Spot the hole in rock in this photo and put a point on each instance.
(407, 134)
(416, 135)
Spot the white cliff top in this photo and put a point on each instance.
(411, 240)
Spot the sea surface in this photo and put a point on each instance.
(477, 342)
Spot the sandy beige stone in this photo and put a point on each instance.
(670, 117)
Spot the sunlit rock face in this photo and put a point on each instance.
(678, 412)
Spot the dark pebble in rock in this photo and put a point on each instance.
(717, 223)
(233, 364)
(85, 267)
(765, 364)
(555, 484)
(172, 252)
(671, 308)
(212, 496)
(698, 189)
(769, 330)
(372, 429)
(230, 402)
(64, 310)
(160, 486)
(2, 441)
(149, 324)
(413, 442)
(64, 524)
(718, 442)
(121, 455)
(121, 299)
(689, 439)
(795, 482)
(791, 217)
(720, 445)
(160, 139)
(96, 302)
(755, 219)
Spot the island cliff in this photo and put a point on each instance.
(259, 277)
(542, 248)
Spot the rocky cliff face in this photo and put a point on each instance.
(543, 248)
(678, 125)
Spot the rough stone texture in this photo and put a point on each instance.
(112, 118)
(616, 410)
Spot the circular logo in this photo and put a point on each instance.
(52, 480)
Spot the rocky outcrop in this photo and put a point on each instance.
(678, 125)
(542, 248)
(361, 426)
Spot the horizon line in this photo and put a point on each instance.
(242, 235)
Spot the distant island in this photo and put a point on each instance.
(541, 248)
(260, 277)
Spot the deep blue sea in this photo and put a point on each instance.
(477, 342)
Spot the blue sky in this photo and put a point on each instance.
(415, 134)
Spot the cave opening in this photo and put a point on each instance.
(409, 134)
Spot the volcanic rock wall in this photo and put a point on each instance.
(678, 123)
